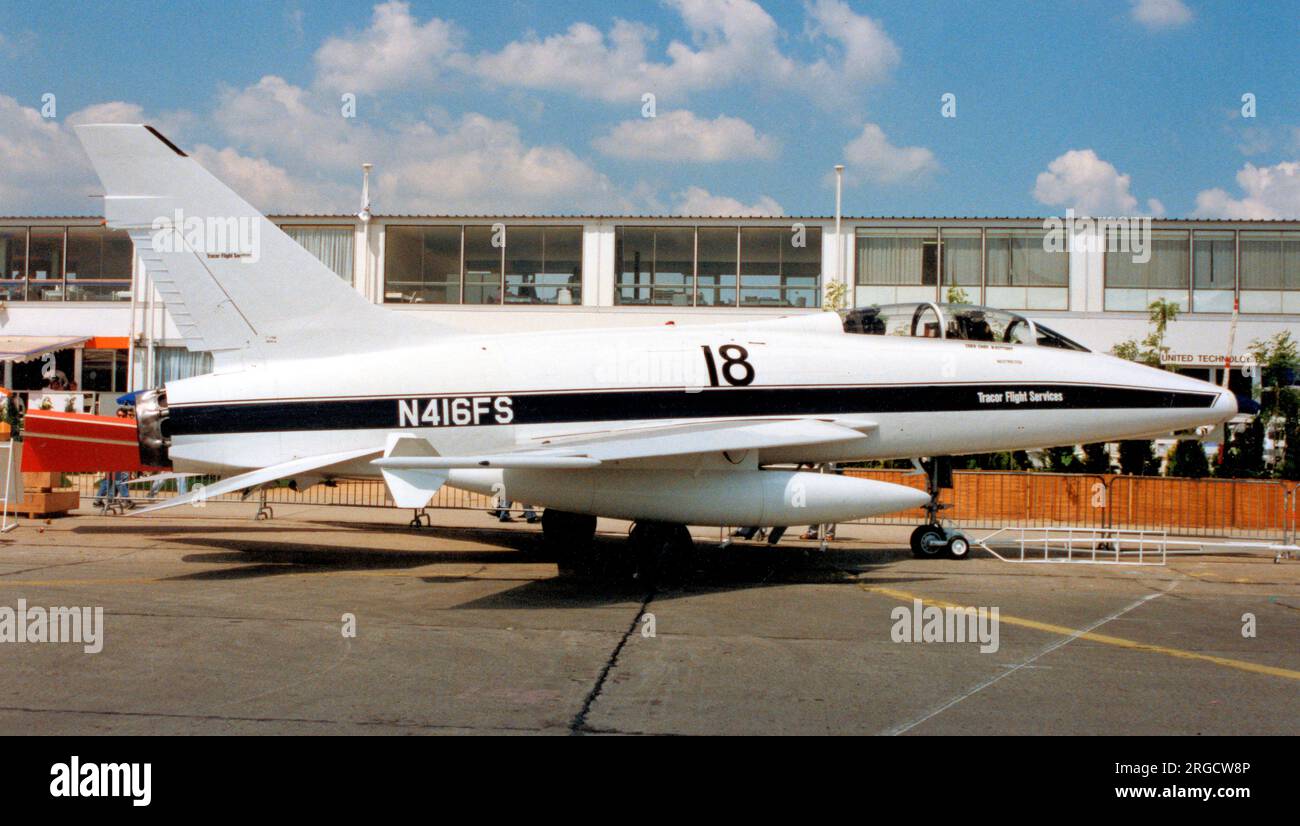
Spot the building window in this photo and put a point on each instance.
(717, 266)
(656, 265)
(962, 262)
(171, 364)
(1214, 271)
(897, 265)
(1022, 273)
(99, 264)
(13, 257)
(543, 265)
(332, 246)
(45, 264)
(104, 371)
(1270, 272)
(422, 265)
(464, 265)
(482, 266)
(774, 272)
(1133, 284)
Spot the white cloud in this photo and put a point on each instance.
(1082, 181)
(115, 111)
(271, 188)
(1267, 192)
(276, 117)
(395, 51)
(871, 158)
(866, 53)
(479, 164)
(733, 42)
(439, 164)
(696, 200)
(683, 136)
(1161, 14)
(45, 170)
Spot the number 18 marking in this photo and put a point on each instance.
(735, 359)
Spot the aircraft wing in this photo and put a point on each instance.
(261, 476)
(592, 449)
(709, 437)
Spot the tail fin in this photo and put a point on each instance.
(233, 282)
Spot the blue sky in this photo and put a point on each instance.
(1110, 107)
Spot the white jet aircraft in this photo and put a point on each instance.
(666, 426)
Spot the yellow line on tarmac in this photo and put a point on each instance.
(1120, 642)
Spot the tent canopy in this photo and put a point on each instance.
(26, 348)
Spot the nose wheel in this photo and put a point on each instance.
(932, 540)
(936, 542)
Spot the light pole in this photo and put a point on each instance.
(368, 289)
(839, 238)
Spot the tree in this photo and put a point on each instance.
(956, 295)
(1151, 350)
(1242, 454)
(1096, 457)
(1187, 459)
(1278, 359)
(1063, 460)
(837, 296)
(1137, 457)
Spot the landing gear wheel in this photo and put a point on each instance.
(661, 551)
(567, 537)
(958, 547)
(928, 542)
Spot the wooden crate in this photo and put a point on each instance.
(43, 481)
(55, 503)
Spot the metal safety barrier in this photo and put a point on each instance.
(1078, 545)
(1240, 508)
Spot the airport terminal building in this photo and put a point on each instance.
(74, 289)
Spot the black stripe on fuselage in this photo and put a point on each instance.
(613, 405)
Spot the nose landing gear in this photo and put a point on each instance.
(932, 540)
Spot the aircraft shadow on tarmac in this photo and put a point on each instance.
(611, 575)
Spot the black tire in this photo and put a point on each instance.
(567, 537)
(928, 542)
(958, 547)
(661, 552)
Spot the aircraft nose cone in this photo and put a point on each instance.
(1225, 407)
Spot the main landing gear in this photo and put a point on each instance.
(659, 550)
(568, 536)
(932, 540)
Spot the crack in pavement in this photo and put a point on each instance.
(579, 725)
(250, 719)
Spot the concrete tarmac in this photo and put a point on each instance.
(215, 623)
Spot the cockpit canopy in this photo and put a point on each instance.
(966, 322)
